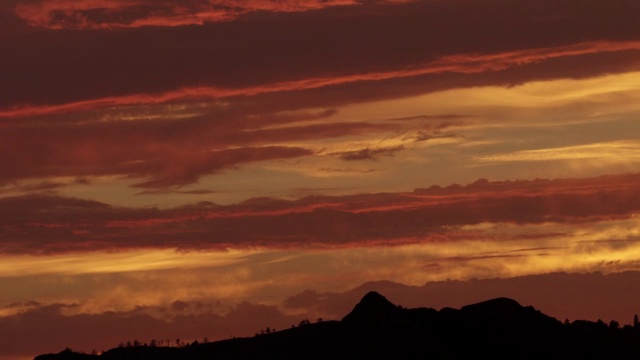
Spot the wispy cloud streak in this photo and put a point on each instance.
(99, 14)
(463, 64)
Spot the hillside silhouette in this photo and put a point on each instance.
(378, 329)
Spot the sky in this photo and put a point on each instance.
(208, 168)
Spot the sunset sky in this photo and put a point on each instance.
(181, 169)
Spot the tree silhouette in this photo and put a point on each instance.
(635, 320)
(614, 325)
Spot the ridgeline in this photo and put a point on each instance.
(377, 329)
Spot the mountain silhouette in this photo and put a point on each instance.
(378, 329)
(373, 308)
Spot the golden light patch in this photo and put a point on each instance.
(535, 94)
(116, 262)
(614, 151)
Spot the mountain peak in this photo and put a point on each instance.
(372, 306)
(374, 297)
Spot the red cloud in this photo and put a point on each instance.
(143, 151)
(463, 64)
(162, 152)
(76, 70)
(101, 14)
(53, 224)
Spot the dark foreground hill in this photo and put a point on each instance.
(377, 329)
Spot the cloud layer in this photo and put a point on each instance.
(242, 152)
(419, 38)
(39, 223)
(168, 93)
